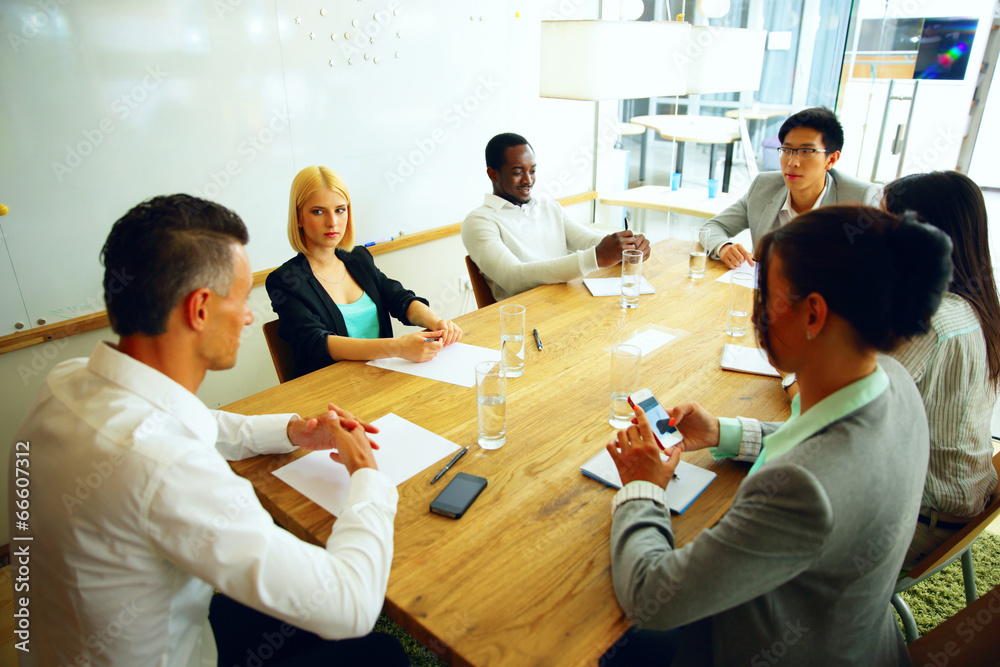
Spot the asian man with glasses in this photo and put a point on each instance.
(810, 146)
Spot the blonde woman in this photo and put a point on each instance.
(332, 302)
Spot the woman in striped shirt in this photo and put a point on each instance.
(956, 365)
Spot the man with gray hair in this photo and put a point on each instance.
(135, 513)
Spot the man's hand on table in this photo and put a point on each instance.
(340, 430)
(609, 250)
(734, 254)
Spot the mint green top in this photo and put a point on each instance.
(801, 427)
(360, 317)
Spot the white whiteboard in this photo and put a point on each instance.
(109, 102)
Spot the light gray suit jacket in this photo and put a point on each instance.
(803, 565)
(758, 208)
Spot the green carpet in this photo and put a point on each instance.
(938, 598)
(419, 655)
(931, 601)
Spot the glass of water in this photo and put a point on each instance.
(491, 404)
(625, 362)
(512, 339)
(699, 252)
(740, 303)
(631, 277)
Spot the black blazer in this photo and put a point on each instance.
(307, 314)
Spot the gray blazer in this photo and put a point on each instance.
(758, 208)
(803, 565)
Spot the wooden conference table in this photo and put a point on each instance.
(524, 577)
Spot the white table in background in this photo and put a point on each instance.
(685, 201)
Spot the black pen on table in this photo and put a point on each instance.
(455, 458)
(538, 341)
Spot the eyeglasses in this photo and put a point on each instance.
(804, 153)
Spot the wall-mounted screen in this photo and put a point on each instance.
(944, 49)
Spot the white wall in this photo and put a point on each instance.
(118, 101)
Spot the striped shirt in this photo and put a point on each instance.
(950, 368)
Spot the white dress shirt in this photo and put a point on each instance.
(136, 515)
(521, 247)
(786, 214)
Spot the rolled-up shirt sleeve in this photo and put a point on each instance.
(741, 438)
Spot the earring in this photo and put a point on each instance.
(809, 334)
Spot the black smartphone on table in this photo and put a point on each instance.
(460, 493)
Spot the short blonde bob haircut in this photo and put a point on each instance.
(306, 182)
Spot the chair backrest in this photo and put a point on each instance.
(963, 538)
(953, 642)
(484, 297)
(282, 354)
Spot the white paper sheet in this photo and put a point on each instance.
(405, 450)
(455, 364)
(681, 492)
(744, 268)
(747, 360)
(613, 286)
(649, 340)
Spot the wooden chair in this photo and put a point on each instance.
(959, 546)
(484, 297)
(963, 640)
(282, 353)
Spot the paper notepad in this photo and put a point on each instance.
(455, 364)
(405, 450)
(681, 492)
(613, 286)
(649, 340)
(747, 360)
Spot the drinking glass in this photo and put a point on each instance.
(491, 404)
(631, 277)
(625, 363)
(713, 188)
(740, 304)
(512, 339)
(699, 252)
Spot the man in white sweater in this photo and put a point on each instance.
(519, 242)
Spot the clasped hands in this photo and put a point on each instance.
(637, 455)
(609, 250)
(336, 429)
